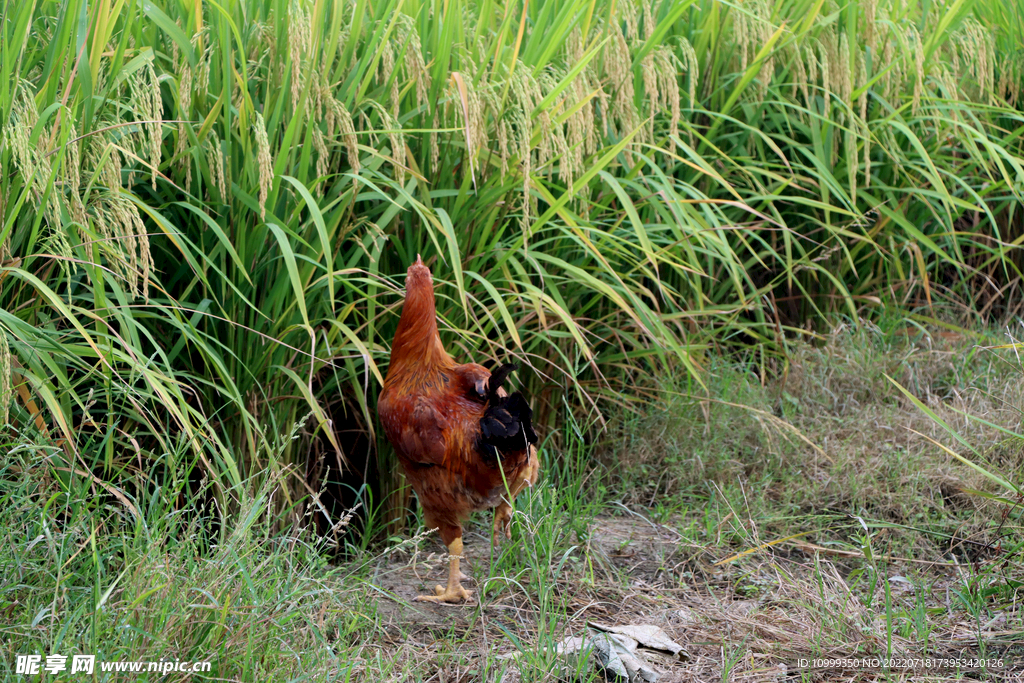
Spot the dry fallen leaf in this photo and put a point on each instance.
(617, 650)
(647, 635)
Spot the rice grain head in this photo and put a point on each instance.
(473, 118)
(503, 136)
(974, 50)
(327, 110)
(831, 74)
(914, 40)
(618, 66)
(264, 162)
(989, 65)
(344, 36)
(753, 28)
(347, 128)
(887, 59)
(385, 73)
(184, 113)
(812, 70)
(668, 86)
(71, 170)
(33, 160)
(1011, 74)
(319, 92)
(413, 64)
(826, 78)
(582, 129)
(867, 155)
(72, 155)
(149, 106)
(522, 132)
(628, 14)
(575, 134)
(862, 102)
(435, 148)
(846, 62)
(106, 223)
(692, 68)
(799, 74)
(18, 130)
(215, 160)
(108, 171)
(300, 39)
(658, 70)
(953, 46)
(650, 23)
(6, 379)
(949, 85)
(861, 83)
(202, 81)
(950, 89)
(739, 24)
(557, 146)
(537, 88)
(175, 52)
(649, 77)
(120, 211)
(870, 9)
(57, 243)
(322, 157)
(259, 41)
(145, 257)
(851, 168)
(395, 139)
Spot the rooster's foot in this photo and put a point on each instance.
(452, 594)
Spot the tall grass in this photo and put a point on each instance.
(208, 207)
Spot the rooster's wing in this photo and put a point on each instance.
(421, 439)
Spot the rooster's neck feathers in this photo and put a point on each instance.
(417, 341)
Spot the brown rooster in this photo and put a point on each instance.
(463, 443)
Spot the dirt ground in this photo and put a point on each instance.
(748, 619)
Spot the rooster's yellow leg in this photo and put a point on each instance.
(454, 592)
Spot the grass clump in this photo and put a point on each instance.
(82, 573)
(835, 438)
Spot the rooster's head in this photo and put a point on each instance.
(418, 276)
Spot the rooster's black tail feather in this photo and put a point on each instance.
(507, 424)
